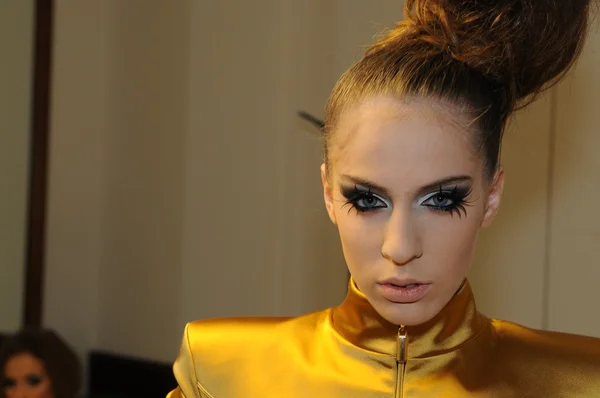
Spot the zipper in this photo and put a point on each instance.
(401, 356)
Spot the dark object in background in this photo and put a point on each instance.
(117, 376)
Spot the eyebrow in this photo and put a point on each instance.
(424, 189)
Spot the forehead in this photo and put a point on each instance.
(390, 141)
(23, 363)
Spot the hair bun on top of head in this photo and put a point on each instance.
(524, 45)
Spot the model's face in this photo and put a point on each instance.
(25, 377)
(407, 192)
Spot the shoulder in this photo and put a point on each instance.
(229, 340)
(556, 341)
(215, 351)
(549, 350)
(210, 333)
(536, 362)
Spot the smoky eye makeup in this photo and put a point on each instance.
(447, 195)
(448, 199)
(362, 199)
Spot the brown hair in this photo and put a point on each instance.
(489, 57)
(61, 363)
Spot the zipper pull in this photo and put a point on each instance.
(402, 345)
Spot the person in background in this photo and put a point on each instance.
(411, 174)
(38, 364)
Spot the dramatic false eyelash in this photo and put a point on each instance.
(458, 196)
(354, 195)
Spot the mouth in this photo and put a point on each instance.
(405, 286)
(403, 283)
(403, 290)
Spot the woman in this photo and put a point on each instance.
(38, 364)
(411, 173)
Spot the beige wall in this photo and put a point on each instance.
(16, 46)
(118, 125)
(267, 245)
(183, 185)
(537, 265)
(77, 180)
(574, 269)
(140, 278)
(508, 274)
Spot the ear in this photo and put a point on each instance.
(493, 200)
(327, 193)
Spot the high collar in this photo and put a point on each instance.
(458, 322)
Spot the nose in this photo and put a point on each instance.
(401, 242)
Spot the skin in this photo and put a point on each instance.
(401, 148)
(27, 378)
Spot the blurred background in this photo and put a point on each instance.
(180, 184)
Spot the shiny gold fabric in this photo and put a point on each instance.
(351, 352)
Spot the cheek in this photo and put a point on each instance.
(360, 236)
(450, 240)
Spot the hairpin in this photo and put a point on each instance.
(310, 118)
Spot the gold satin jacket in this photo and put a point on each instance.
(351, 352)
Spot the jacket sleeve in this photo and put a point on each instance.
(185, 372)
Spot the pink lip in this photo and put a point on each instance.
(403, 291)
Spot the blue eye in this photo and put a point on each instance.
(439, 200)
(362, 200)
(369, 202)
(452, 201)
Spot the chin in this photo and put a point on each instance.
(406, 314)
